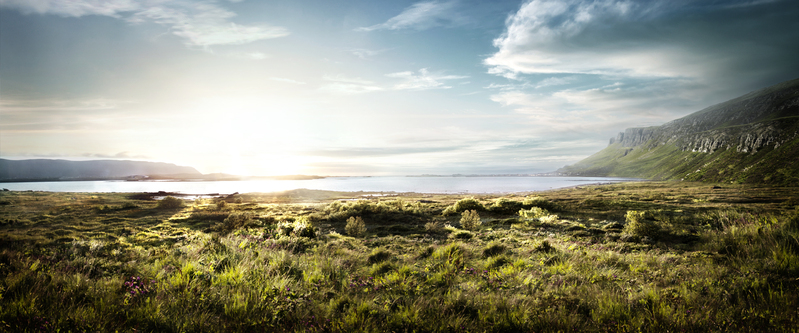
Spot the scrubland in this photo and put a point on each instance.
(650, 256)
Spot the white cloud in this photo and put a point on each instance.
(606, 109)
(200, 23)
(420, 16)
(73, 8)
(348, 85)
(555, 81)
(365, 53)
(653, 39)
(423, 81)
(537, 40)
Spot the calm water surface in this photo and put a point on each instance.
(349, 184)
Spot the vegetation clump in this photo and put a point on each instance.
(355, 227)
(726, 263)
(493, 249)
(470, 220)
(533, 213)
(236, 220)
(463, 205)
(641, 224)
(169, 202)
(505, 206)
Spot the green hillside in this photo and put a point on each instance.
(750, 139)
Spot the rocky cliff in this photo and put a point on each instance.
(748, 133)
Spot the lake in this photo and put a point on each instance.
(459, 185)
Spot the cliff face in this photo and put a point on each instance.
(760, 125)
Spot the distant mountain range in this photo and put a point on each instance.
(46, 169)
(750, 139)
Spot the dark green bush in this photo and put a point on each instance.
(464, 205)
(493, 249)
(505, 206)
(379, 255)
(355, 226)
(237, 220)
(470, 220)
(640, 223)
(540, 203)
(169, 202)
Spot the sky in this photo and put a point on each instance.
(371, 87)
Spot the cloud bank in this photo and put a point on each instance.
(199, 23)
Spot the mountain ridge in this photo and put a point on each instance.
(753, 138)
(56, 169)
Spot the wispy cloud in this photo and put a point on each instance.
(348, 86)
(365, 53)
(424, 80)
(420, 16)
(608, 108)
(199, 23)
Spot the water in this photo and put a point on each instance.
(458, 185)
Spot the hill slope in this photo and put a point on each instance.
(750, 139)
(44, 169)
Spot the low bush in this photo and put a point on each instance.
(533, 213)
(434, 227)
(462, 234)
(640, 223)
(505, 206)
(470, 220)
(379, 255)
(463, 205)
(355, 227)
(236, 220)
(169, 202)
(540, 202)
(493, 249)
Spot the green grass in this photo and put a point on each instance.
(719, 259)
(652, 160)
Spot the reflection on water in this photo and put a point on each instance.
(461, 185)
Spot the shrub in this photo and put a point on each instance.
(493, 249)
(540, 203)
(470, 220)
(496, 262)
(435, 227)
(549, 219)
(462, 234)
(301, 228)
(355, 226)
(236, 220)
(304, 229)
(169, 202)
(464, 205)
(533, 213)
(379, 255)
(640, 224)
(544, 246)
(505, 206)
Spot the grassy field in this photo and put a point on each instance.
(650, 256)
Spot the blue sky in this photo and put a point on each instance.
(371, 87)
